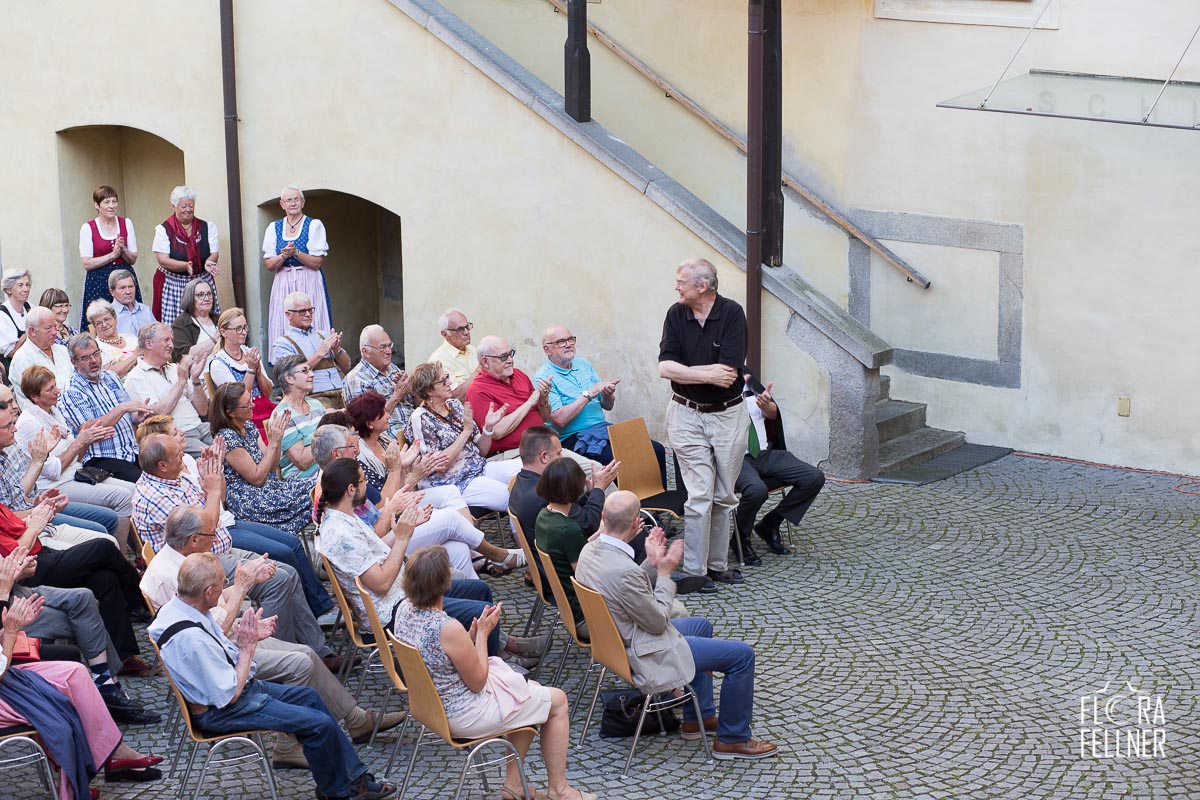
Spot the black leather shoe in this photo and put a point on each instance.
(773, 539)
(749, 557)
(123, 708)
(686, 584)
(728, 576)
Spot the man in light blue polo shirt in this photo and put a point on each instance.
(579, 398)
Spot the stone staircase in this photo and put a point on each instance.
(904, 438)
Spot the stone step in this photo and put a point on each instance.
(917, 447)
(885, 387)
(895, 418)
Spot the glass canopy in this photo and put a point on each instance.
(1099, 98)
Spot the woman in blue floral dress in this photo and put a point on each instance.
(253, 489)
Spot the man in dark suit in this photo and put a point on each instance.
(665, 653)
(767, 466)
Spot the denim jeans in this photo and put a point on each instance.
(299, 711)
(736, 661)
(89, 517)
(286, 549)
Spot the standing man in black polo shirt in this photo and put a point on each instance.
(702, 354)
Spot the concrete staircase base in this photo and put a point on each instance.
(904, 438)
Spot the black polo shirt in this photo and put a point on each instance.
(722, 340)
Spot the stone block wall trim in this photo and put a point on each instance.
(1006, 239)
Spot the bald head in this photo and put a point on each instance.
(621, 515)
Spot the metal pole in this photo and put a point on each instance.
(1167, 82)
(233, 173)
(577, 63)
(772, 186)
(1028, 33)
(754, 186)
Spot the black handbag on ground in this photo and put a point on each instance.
(92, 475)
(622, 707)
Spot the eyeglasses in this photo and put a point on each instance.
(292, 201)
(92, 356)
(245, 406)
(388, 346)
(60, 307)
(464, 329)
(300, 310)
(565, 342)
(304, 370)
(502, 356)
(203, 295)
(443, 381)
(238, 329)
(211, 535)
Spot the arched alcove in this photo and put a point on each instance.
(364, 268)
(142, 167)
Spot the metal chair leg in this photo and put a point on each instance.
(387, 698)
(592, 708)
(396, 748)
(266, 763)
(637, 734)
(700, 719)
(412, 762)
(187, 772)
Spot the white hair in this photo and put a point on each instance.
(289, 302)
(99, 307)
(11, 276)
(182, 193)
(366, 333)
(37, 315)
(293, 187)
(444, 319)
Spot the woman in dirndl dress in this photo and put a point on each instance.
(106, 243)
(294, 248)
(186, 247)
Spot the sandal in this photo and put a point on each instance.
(496, 569)
(515, 560)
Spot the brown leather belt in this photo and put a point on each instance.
(707, 408)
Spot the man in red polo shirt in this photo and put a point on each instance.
(499, 384)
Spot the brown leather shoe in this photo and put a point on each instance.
(749, 749)
(134, 667)
(691, 730)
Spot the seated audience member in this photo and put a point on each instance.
(278, 660)
(218, 678)
(444, 430)
(132, 316)
(540, 446)
(457, 356)
(74, 615)
(449, 525)
(356, 551)
(94, 393)
(74, 725)
(295, 377)
(323, 350)
(557, 535)
(368, 414)
(466, 678)
(234, 362)
(376, 372)
(252, 490)
(166, 485)
(176, 390)
(118, 351)
(59, 302)
(766, 466)
(40, 349)
(666, 653)
(19, 470)
(95, 565)
(62, 462)
(16, 284)
(579, 398)
(195, 330)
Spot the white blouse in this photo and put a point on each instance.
(86, 248)
(31, 422)
(318, 242)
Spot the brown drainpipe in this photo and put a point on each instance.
(754, 189)
(233, 172)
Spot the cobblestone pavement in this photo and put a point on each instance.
(923, 642)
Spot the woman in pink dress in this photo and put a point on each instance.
(294, 248)
(61, 701)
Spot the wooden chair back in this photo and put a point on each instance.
(608, 648)
(424, 702)
(147, 553)
(631, 446)
(385, 652)
(530, 558)
(339, 594)
(560, 597)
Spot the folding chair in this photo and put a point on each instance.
(23, 734)
(354, 639)
(631, 446)
(425, 706)
(608, 649)
(567, 620)
(216, 743)
(389, 666)
(534, 624)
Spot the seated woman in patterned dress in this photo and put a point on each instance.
(295, 376)
(253, 489)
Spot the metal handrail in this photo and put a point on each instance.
(826, 208)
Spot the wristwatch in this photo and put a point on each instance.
(586, 395)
